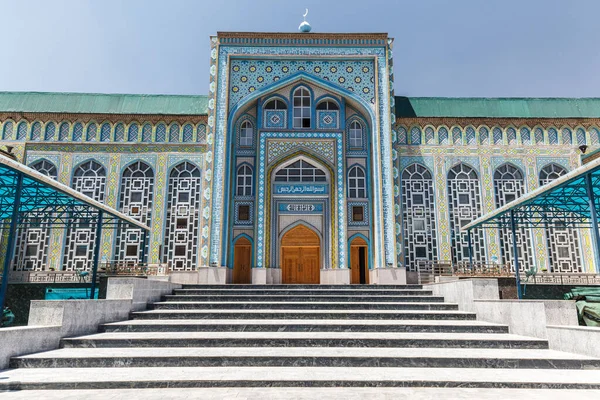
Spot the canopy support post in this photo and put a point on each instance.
(96, 255)
(513, 228)
(12, 233)
(470, 249)
(594, 217)
(144, 237)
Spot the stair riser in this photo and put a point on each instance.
(329, 342)
(275, 292)
(304, 328)
(408, 299)
(297, 316)
(313, 287)
(374, 362)
(296, 306)
(274, 383)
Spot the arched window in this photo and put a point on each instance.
(50, 131)
(174, 133)
(300, 171)
(275, 104)
(22, 130)
(63, 132)
(119, 132)
(78, 132)
(464, 205)
(182, 228)
(147, 133)
(302, 114)
(36, 131)
(135, 199)
(7, 133)
(357, 186)
(355, 135)
(105, 132)
(244, 181)
(564, 252)
(32, 248)
(161, 133)
(134, 129)
(509, 185)
(328, 105)
(246, 134)
(188, 133)
(91, 132)
(89, 178)
(419, 220)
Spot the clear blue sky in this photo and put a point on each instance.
(452, 48)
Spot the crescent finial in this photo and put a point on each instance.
(305, 14)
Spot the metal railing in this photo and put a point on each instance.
(132, 268)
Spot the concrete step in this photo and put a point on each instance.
(258, 290)
(196, 377)
(302, 298)
(305, 339)
(314, 305)
(306, 393)
(290, 325)
(304, 357)
(313, 287)
(305, 314)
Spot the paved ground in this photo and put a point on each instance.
(305, 394)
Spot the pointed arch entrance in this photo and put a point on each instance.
(300, 256)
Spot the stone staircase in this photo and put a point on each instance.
(240, 336)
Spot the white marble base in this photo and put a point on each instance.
(273, 276)
(259, 276)
(212, 275)
(185, 278)
(387, 276)
(338, 276)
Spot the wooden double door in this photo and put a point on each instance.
(300, 256)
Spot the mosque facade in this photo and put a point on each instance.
(300, 165)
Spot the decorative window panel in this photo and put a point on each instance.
(402, 135)
(238, 218)
(443, 135)
(580, 133)
(90, 179)
(147, 133)
(92, 131)
(484, 136)
(133, 133)
(63, 132)
(120, 133)
(353, 216)
(595, 136)
(429, 135)
(465, 205)
(105, 132)
(470, 135)
(525, 136)
(22, 131)
(539, 136)
(564, 252)
(418, 216)
(567, 136)
(328, 119)
(497, 134)
(275, 119)
(182, 229)
(161, 133)
(174, 133)
(7, 132)
(457, 135)
(415, 135)
(78, 132)
(188, 133)
(36, 131)
(509, 185)
(201, 133)
(552, 136)
(511, 136)
(135, 199)
(32, 247)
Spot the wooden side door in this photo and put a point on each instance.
(358, 261)
(242, 256)
(354, 265)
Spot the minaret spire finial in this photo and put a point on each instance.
(305, 26)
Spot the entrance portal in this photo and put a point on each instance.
(300, 256)
(242, 254)
(358, 261)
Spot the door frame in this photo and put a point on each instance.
(232, 256)
(368, 258)
(288, 229)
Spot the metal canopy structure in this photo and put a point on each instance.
(29, 198)
(570, 201)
